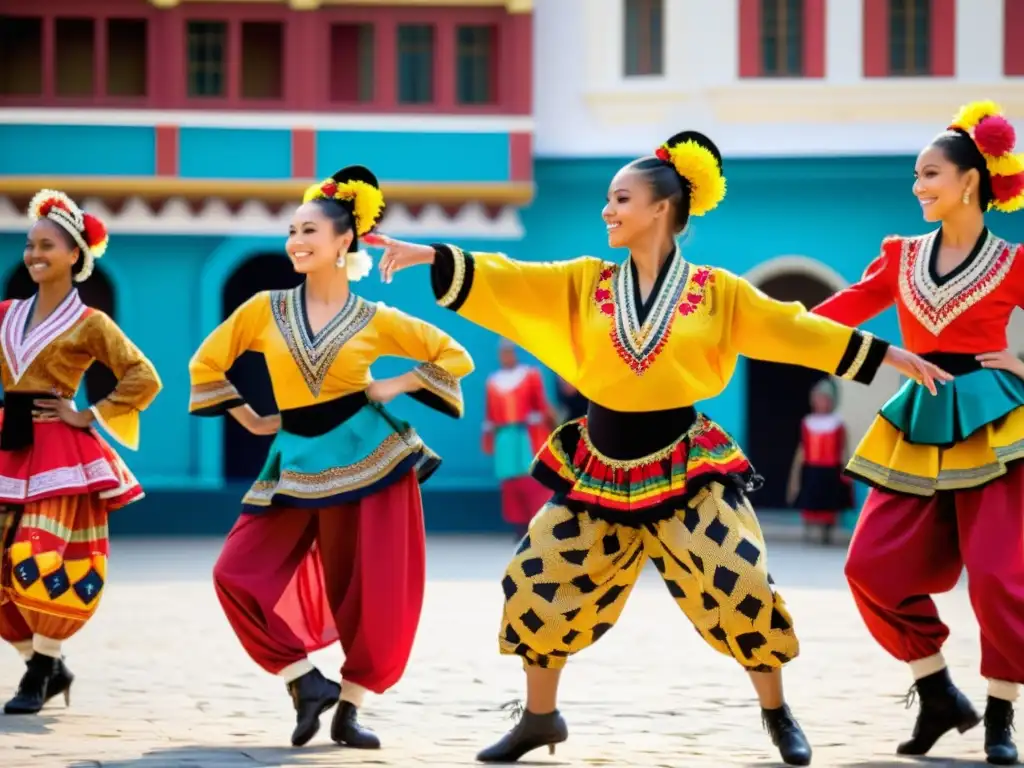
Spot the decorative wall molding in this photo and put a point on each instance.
(216, 217)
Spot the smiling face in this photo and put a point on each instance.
(631, 212)
(50, 253)
(939, 185)
(313, 242)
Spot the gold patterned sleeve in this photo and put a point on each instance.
(137, 380)
(212, 394)
(443, 361)
(785, 332)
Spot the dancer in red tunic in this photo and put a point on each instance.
(517, 426)
(948, 481)
(817, 485)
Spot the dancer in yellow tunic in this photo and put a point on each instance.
(644, 475)
(330, 544)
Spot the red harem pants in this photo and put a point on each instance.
(295, 580)
(906, 548)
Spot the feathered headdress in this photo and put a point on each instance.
(88, 231)
(696, 158)
(995, 138)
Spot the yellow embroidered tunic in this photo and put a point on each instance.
(319, 382)
(584, 319)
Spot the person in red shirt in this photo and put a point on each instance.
(948, 486)
(517, 424)
(817, 485)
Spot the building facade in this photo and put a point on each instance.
(193, 127)
(819, 107)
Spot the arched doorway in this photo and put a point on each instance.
(244, 453)
(96, 292)
(778, 395)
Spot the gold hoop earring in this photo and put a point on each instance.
(967, 197)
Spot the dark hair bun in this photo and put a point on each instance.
(698, 138)
(356, 173)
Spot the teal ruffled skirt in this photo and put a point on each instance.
(367, 452)
(961, 407)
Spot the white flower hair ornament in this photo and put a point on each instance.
(358, 265)
(88, 231)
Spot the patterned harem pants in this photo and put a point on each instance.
(571, 576)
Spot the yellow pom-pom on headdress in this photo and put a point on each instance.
(994, 136)
(357, 186)
(696, 158)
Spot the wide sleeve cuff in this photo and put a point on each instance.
(120, 423)
(214, 398)
(863, 357)
(451, 275)
(441, 390)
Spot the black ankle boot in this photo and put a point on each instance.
(312, 694)
(787, 735)
(999, 746)
(60, 682)
(346, 730)
(530, 733)
(943, 708)
(31, 693)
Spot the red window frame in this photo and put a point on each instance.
(876, 38)
(751, 55)
(1013, 36)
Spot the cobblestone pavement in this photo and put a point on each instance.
(162, 683)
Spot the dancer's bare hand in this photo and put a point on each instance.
(1004, 360)
(65, 411)
(398, 254)
(917, 368)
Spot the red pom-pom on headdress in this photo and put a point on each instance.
(1006, 188)
(995, 136)
(95, 234)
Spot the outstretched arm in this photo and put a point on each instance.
(870, 296)
(535, 305)
(785, 332)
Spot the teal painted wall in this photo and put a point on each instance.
(99, 150)
(407, 156)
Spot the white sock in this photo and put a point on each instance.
(927, 666)
(296, 670)
(24, 648)
(47, 646)
(1000, 689)
(352, 693)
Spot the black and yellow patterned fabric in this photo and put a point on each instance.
(571, 576)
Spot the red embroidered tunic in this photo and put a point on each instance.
(966, 311)
(516, 397)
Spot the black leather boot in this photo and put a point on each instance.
(346, 730)
(312, 694)
(530, 733)
(787, 735)
(999, 746)
(31, 695)
(943, 708)
(60, 683)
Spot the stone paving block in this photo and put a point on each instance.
(162, 682)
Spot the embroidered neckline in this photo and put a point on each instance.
(314, 353)
(21, 346)
(935, 304)
(639, 344)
